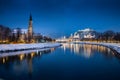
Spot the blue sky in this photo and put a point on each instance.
(56, 18)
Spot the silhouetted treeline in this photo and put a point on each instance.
(109, 36)
(4, 33)
(40, 38)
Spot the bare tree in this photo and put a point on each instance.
(108, 35)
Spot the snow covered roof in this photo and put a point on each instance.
(21, 30)
(87, 29)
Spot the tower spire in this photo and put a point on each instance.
(30, 17)
(30, 29)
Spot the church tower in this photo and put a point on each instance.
(30, 29)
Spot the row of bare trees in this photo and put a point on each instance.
(40, 38)
(4, 33)
(109, 36)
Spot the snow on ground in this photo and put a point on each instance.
(12, 47)
(114, 46)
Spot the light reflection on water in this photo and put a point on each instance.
(21, 55)
(87, 50)
(20, 63)
(68, 62)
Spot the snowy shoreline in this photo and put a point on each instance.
(19, 47)
(22, 52)
(114, 46)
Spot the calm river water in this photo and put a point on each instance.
(68, 62)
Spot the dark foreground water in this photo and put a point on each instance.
(68, 62)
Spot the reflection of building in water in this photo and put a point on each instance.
(86, 50)
(3, 60)
(29, 62)
(79, 49)
(23, 61)
(21, 57)
(30, 69)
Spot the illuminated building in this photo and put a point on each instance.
(25, 35)
(20, 33)
(85, 34)
(30, 29)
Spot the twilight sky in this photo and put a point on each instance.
(61, 17)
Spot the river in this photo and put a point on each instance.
(68, 62)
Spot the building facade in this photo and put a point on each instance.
(24, 35)
(85, 34)
(30, 30)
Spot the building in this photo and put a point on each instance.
(24, 35)
(85, 34)
(62, 39)
(19, 34)
(30, 30)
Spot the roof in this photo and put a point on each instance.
(87, 29)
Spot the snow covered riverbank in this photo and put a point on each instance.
(14, 47)
(23, 52)
(113, 46)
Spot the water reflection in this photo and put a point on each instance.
(21, 62)
(88, 50)
(23, 55)
(70, 62)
